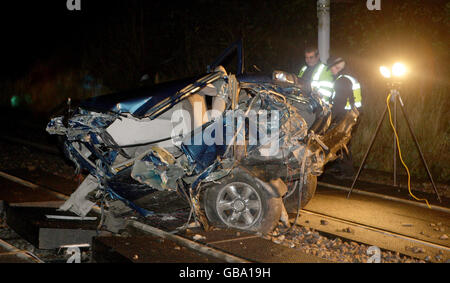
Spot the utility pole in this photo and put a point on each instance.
(323, 13)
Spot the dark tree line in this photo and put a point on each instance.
(175, 39)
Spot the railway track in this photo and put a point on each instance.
(9, 253)
(336, 226)
(373, 236)
(209, 245)
(204, 249)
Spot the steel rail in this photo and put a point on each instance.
(32, 185)
(378, 230)
(386, 197)
(204, 249)
(12, 250)
(188, 243)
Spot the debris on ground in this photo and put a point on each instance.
(194, 225)
(416, 250)
(48, 256)
(168, 218)
(347, 230)
(198, 237)
(335, 249)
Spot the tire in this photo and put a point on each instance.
(241, 202)
(309, 189)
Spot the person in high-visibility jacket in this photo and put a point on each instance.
(315, 76)
(346, 89)
(346, 95)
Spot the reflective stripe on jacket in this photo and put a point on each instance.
(302, 71)
(321, 81)
(356, 87)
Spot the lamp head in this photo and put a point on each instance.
(399, 69)
(385, 72)
(394, 74)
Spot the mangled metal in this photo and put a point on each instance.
(77, 201)
(272, 130)
(158, 169)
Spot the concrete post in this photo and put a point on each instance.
(323, 13)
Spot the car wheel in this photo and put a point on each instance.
(241, 202)
(309, 189)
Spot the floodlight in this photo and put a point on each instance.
(398, 70)
(385, 72)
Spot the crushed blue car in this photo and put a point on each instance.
(242, 160)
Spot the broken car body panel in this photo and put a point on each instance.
(134, 146)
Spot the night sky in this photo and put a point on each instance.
(41, 29)
(274, 33)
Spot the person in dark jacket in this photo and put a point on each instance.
(346, 89)
(346, 95)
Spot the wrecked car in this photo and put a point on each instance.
(242, 150)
